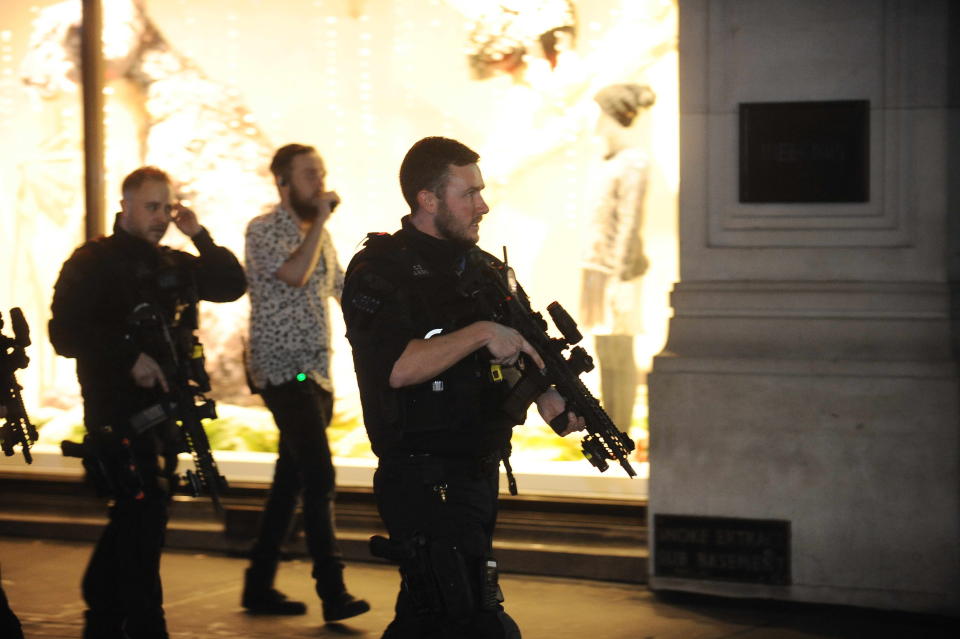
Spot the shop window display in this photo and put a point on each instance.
(358, 79)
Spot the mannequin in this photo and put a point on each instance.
(614, 261)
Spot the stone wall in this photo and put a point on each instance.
(810, 374)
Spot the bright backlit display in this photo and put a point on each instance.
(582, 188)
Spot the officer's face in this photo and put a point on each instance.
(460, 210)
(146, 212)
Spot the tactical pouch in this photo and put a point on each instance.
(415, 571)
(439, 404)
(434, 575)
(490, 594)
(109, 464)
(450, 572)
(424, 407)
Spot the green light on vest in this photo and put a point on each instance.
(301, 377)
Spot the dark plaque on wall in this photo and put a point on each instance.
(805, 151)
(722, 549)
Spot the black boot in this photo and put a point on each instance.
(337, 602)
(260, 597)
(102, 625)
(146, 624)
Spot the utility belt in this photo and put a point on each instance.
(433, 468)
(108, 454)
(449, 464)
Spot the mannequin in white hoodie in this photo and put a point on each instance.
(614, 261)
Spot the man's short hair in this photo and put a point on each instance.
(282, 164)
(427, 166)
(135, 180)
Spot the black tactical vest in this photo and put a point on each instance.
(466, 398)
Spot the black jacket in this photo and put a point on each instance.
(98, 288)
(406, 286)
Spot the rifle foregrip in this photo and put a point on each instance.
(559, 423)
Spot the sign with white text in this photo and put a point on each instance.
(722, 548)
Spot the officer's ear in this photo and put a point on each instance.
(427, 201)
(124, 214)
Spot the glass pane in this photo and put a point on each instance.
(41, 193)
(583, 197)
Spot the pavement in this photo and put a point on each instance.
(202, 595)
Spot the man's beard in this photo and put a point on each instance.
(305, 208)
(448, 229)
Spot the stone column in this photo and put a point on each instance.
(810, 375)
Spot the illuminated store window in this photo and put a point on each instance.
(582, 189)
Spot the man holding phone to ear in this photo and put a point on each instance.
(292, 268)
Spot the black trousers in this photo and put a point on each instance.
(302, 411)
(9, 624)
(121, 585)
(452, 504)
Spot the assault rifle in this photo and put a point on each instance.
(16, 428)
(509, 305)
(180, 356)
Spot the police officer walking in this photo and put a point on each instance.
(93, 321)
(428, 363)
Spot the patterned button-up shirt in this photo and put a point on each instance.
(289, 327)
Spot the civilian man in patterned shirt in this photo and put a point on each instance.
(292, 269)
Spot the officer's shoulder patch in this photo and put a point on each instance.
(376, 283)
(366, 303)
(371, 291)
(419, 271)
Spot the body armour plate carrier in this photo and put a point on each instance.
(470, 393)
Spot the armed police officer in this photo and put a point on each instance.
(431, 372)
(102, 290)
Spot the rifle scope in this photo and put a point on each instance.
(564, 323)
